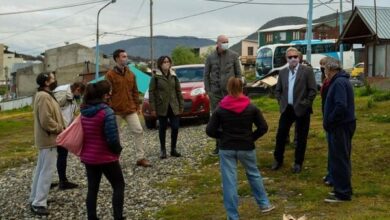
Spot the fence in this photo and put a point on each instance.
(16, 103)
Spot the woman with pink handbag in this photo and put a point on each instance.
(101, 148)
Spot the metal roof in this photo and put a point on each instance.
(383, 20)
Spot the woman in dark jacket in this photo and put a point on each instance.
(166, 102)
(102, 148)
(232, 123)
(328, 180)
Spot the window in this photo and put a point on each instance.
(282, 36)
(250, 51)
(296, 35)
(268, 38)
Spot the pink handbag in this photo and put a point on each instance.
(72, 137)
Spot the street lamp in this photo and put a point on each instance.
(97, 39)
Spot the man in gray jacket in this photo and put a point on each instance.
(220, 65)
(295, 91)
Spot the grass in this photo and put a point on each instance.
(16, 137)
(300, 194)
(293, 194)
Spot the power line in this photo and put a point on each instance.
(185, 17)
(50, 22)
(52, 8)
(326, 4)
(52, 28)
(269, 3)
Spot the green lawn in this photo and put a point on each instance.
(300, 194)
(16, 137)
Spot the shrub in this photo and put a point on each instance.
(383, 96)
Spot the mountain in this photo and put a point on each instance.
(163, 45)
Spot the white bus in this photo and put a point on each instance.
(272, 58)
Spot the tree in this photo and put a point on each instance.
(184, 55)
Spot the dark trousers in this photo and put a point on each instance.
(113, 172)
(61, 163)
(340, 139)
(175, 124)
(287, 118)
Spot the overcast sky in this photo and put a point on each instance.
(33, 33)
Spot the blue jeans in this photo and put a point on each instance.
(228, 165)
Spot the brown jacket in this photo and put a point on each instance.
(48, 121)
(125, 98)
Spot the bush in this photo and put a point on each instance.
(3, 89)
(383, 96)
(380, 118)
(367, 90)
(370, 103)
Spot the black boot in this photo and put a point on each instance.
(163, 154)
(174, 153)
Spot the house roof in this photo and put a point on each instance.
(361, 26)
(383, 20)
(284, 28)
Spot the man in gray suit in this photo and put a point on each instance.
(295, 92)
(220, 65)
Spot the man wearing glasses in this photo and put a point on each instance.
(220, 65)
(295, 92)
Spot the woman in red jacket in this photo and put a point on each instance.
(102, 148)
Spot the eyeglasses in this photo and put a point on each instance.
(290, 57)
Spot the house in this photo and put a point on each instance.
(7, 60)
(371, 27)
(325, 27)
(69, 62)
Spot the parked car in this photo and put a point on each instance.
(317, 76)
(196, 101)
(357, 70)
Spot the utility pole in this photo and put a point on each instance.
(309, 31)
(151, 35)
(341, 23)
(97, 55)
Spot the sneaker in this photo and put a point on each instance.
(331, 193)
(67, 185)
(334, 199)
(53, 185)
(174, 153)
(267, 209)
(39, 210)
(215, 152)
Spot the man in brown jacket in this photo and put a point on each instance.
(125, 102)
(48, 123)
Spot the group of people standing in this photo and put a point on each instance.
(106, 103)
(233, 117)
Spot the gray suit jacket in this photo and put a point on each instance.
(305, 90)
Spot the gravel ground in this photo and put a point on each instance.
(142, 195)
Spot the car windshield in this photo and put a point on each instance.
(190, 74)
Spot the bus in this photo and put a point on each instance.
(272, 58)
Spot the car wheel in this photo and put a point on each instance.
(150, 124)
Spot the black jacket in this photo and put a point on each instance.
(235, 129)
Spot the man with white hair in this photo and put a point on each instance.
(340, 125)
(295, 91)
(220, 65)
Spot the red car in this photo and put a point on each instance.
(196, 101)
